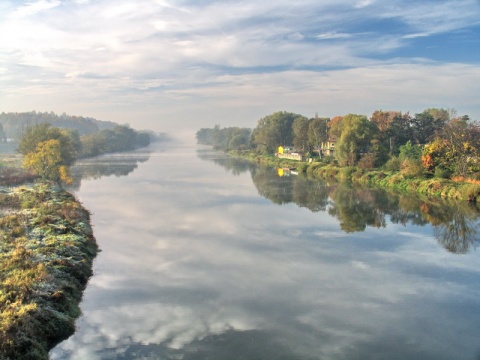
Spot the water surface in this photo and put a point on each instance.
(209, 258)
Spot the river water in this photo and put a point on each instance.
(205, 257)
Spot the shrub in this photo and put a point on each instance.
(393, 164)
(472, 192)
(412, 168)
(302, 167)
(367, 161)
(442, 172)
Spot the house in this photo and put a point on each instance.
(287, 153)
(328, 148)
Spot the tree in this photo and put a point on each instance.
(383, 119)
(300, 133)
(274, 130)
(457, 148)
(226, 138)
(92, 145)
(335, 126)
(355, 139)
(240, 138)
(427, 126)
(47, 161)
(383, 143)
(3, 135)
(317, 132)
(34, 135)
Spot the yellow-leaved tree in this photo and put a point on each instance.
(47, 161)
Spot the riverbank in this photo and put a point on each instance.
(462, 189)
(46, 252)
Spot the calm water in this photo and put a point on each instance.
(208, 258)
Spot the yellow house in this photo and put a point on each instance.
(328, 147)
(280, 149)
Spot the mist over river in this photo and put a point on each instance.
(205, 257)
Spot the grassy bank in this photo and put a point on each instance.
(427, 185)
(46, 253)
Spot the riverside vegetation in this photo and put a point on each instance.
(46, 242)
(46, 248)
(434, 153)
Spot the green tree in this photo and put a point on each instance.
(317, 132)
(92, 145)
(357, 133)
(426, 126)
(399, 131)
(300, 133)
(383, 143)
(274, 130)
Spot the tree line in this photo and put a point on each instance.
(226, 138)
(49, 151)
(435, 140)
(13, 124)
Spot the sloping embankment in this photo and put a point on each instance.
(46, 252)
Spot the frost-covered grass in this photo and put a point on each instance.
(46, 252)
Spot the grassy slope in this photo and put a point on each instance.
(46, 253)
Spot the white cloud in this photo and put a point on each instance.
(168, 52)
(333, 35)
(32, 8)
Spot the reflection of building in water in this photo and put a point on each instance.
(286, 172)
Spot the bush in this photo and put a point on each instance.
(347, 172)
(412, 168)
(393, 164)
(367, 161)
(472, 192)
(442, 172)
(302, 167)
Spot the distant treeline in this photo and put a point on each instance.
(13, 124)
(226, 138)
(89, 136)
(433, 141)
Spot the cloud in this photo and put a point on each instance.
(333, 35)
(258, 266)
(34, 8)
(169, 52)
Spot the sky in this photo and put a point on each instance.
(179, 65)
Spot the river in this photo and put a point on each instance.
(204, 257)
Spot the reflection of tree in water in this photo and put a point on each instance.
(277, 189)
(456, 225)
(357, 208)
(457, 229)
(233, 165)
(407, 210)
(118, 165)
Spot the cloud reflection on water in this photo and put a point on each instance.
(214, 271)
